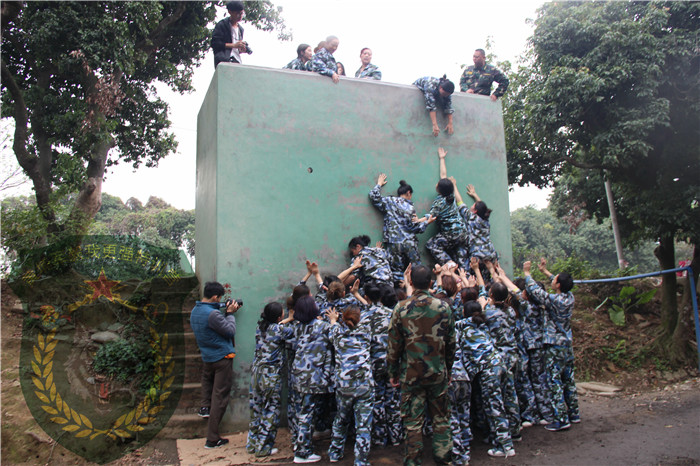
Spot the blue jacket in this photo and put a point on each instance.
(213, 331)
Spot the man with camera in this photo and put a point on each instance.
(214, 327)
(227, 40)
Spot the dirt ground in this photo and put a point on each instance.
(653, 420)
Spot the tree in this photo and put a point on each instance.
(77, 78)
(612, 89)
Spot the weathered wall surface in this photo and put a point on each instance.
(284, 165)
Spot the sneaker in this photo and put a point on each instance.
(557, 426)
(219, 443)
(574, 419)
(543, 422)
(497, 452)
(263, 454)
(526, 424)
(321, 434)
(311, 459)
(516, 438)
(203, 412)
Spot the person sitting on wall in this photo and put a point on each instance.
(227, 39)
(367, 70)
(214, 327)
(303, 60)
(479, 78)
(341, 68)
(323, 61)
(437, 93)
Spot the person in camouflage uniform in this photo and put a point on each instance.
(559, 356)
(312, 371)
(460, 390)
(387, 428)
(482, 361)
(479, 78)
(533, 365)
(353, 383)
(374, 262)
(367, 70)
(266, 379)
(476, 219)
(323, 61)
(452, 237)
(437, 93)
(400, 225)
(303, 60)
(420, 355)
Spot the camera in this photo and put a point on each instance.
(247, 50)
(228, 302)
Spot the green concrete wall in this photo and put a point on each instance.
(285, 160)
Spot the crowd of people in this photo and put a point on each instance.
(228, 44)
(389, 350)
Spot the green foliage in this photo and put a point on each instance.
(627, 300)
(614, 88)
(126, 360)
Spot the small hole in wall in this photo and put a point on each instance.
(310, 170)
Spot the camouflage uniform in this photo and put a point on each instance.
(460, 391)
(266, 387)
(323, 63)
(421, 352)
(559, 355)
(481, 80)
(339, 304)
(312, 374)
(479, 231)
(453, 233)
(433, 100)
(523, 386)
(370, 72)
(482, 361)
(399, 230)
(297, 64)
(501, 325)
(354, 389)
(533, 330)
(375, 266)
(387, 428)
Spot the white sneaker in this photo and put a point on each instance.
(526, 424)
(497, 452)
(313, 458)
(274, 451)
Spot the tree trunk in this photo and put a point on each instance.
(665, 253)
(681, 349)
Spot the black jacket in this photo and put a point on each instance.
(219, 39)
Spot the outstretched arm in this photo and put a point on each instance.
(472, 192)
(543, 267)
(356, 264)
(458, 197)
(442, 153)
(433, 120)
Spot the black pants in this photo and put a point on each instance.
(217, 378)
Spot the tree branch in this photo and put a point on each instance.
(157, 38)
(21, 117)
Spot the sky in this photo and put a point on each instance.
(408, 39)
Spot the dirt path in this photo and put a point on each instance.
(661, 427)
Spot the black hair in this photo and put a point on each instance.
(473, 309)
(446, 189)
(520, 283)
(449, 284)
(499, 294)
(420, 277)
(328, 279)
(400, 294)
(566, 282)
(301, 49)
(481, 210)
(298, 292)
(305, 309)
(235, 6)
(469, 293)
(373, 292)
(403, 188)
(336, 290)
(482, 52)
(341, 64)
(270, 315)
(331, 38)
(362, 240)
(389, 297)
(212, 289)
(446, 85)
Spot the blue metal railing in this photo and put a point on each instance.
(693, 293)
